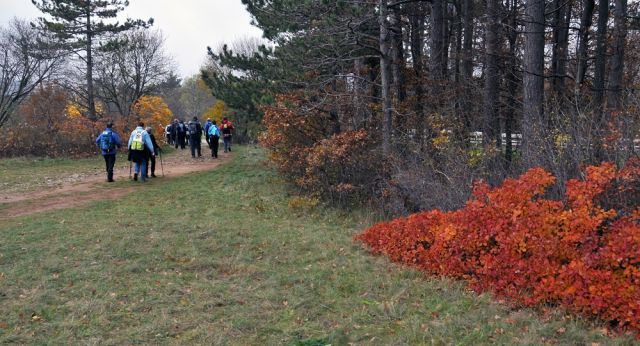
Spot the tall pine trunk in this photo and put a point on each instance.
(385, 78)
(601, 55)
(417, 29)
(91, 106)
(491, 123)
(586, 20)
(562, 19)
(614, 99)
(533, 81)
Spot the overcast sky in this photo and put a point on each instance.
(189, 26)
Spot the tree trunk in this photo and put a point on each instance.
(512, 83)
(562, 19)
(583, 41)
(91, 106)
(614, 99)
(417, 30)
(437, 40)
(466, 69)
(397, 54)
(533, 81)
(385, 78)
(600, 64)
(491, 128)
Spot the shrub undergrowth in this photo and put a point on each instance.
(582, 252)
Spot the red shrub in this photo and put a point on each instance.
(582, 253)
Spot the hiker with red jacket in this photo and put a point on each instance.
(109, 142)
(226, 128)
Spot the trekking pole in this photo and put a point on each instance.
(161, 164)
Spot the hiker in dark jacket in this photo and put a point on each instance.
(181, 134)
(195, 137)
(109, 142)
(156, 151)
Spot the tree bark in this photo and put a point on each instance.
(533, 81)
(397, 55)
(583, 41)
(385, 78)
(417, 29)
(491, 128)
(437, 40)
(512, 82)
(614, 99)
(562, 19)
(91, 106)
(600, 64)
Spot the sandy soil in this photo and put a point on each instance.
(78, 192)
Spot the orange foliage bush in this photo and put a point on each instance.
(307, 150)
(582, 253)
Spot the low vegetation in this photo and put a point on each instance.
(228, 256)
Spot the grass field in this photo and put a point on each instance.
(221, 258)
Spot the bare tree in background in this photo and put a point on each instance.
(134, 67)
(26, 60)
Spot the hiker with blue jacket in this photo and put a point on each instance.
(140, 148)
(207, 125)
(214, 138)
(109, 142)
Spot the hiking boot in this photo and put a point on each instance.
(153, 175)
(135, 176)
(110, 181)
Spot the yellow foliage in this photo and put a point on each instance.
(76, 111)
(153, 111)
(216, 112)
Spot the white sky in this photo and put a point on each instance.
(189, 26)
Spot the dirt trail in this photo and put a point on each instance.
(85, 190)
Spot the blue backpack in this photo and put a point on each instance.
(106, 141)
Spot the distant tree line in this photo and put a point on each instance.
(447, 91)
(69, 72)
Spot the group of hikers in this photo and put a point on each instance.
(143, 148)
(180, 134)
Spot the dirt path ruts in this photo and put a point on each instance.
(69, 195)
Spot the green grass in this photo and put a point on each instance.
(220, 258)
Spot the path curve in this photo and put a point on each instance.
(84, 191)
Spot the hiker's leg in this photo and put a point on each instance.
(199, 146)
(153, 165)
(214, 146)
(111, 161)
(143, 173)
(106, 164)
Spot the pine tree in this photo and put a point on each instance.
(80, 25)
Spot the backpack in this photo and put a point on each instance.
(137, 143)
(193, 128)
(181, 128)
(107, 143)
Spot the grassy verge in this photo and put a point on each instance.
(220, 258)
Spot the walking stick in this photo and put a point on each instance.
(161, 164)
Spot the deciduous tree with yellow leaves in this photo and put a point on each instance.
(153, 111)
